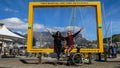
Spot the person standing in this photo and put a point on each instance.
(57, 42)
(114, 52)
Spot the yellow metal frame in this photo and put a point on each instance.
(33, 5)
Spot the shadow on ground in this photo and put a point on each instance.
(54, 63)
(108, 61)
(4, 67)
(116, 66)
(29, 61)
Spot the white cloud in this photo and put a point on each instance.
(64, 29)
(11, 10)
(17, 24)
(38, 27)
(14, 23)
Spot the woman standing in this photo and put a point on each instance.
(57, 42)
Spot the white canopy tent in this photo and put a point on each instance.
(7, 34)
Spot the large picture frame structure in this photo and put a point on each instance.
(97, 6)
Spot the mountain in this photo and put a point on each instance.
(19, 34)
(115, 38)
(44, 37)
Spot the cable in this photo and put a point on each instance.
(104, 22)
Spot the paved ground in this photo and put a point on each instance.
(18, 63)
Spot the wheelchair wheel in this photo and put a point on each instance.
(77, 59)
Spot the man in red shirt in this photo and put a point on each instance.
(70, 42)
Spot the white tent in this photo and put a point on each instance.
(7, 34)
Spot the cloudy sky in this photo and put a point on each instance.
(14, 14)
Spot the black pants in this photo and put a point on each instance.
(58, 51)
